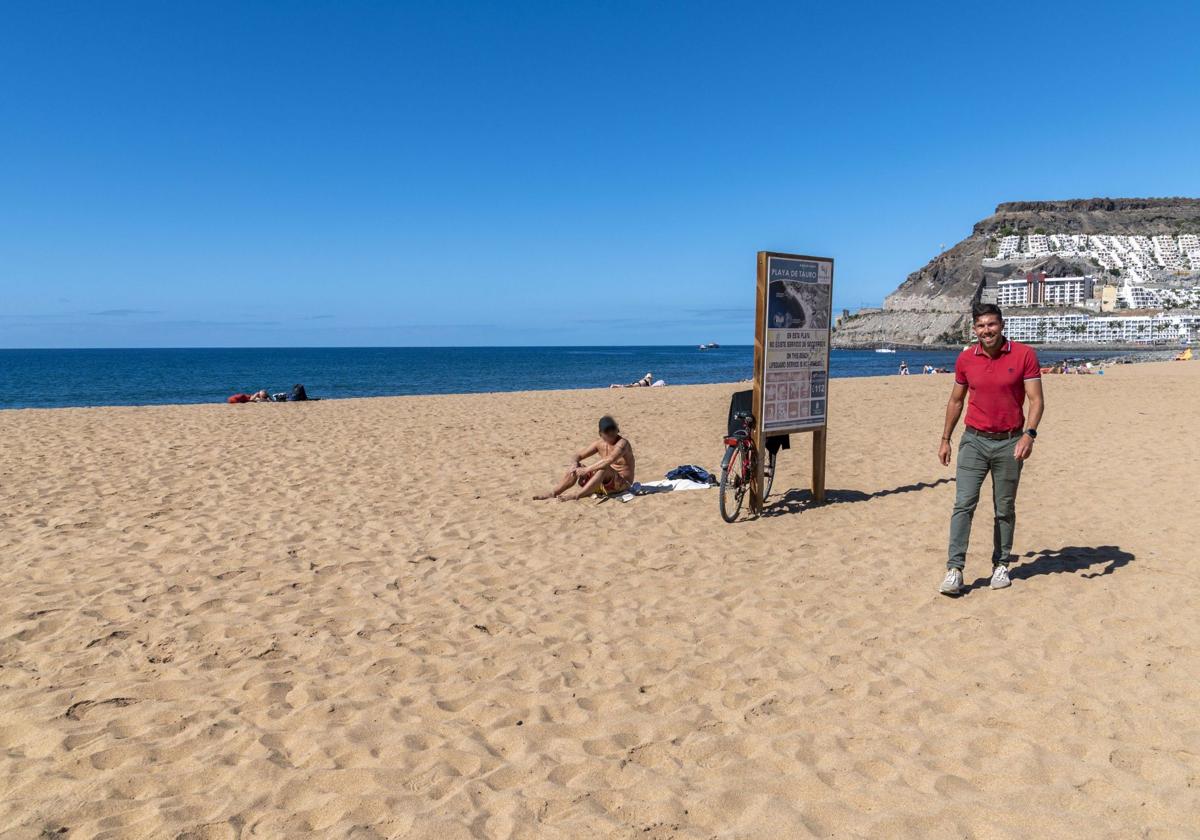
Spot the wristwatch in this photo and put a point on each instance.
(1032, 433)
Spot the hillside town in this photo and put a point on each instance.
(1143, 291)
(1106, 272)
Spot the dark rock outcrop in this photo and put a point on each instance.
(1056, 266)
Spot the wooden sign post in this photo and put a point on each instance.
(792, 321)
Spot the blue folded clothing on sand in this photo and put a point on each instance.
(692, 473)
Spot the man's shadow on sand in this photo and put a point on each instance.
(797, 501)
(1103, 560)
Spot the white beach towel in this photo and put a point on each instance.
(666, 485)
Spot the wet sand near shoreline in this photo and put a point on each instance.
(346, 618)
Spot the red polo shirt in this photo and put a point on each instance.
(997, 385)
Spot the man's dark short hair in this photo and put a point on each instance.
(981, 309)
(607, 424)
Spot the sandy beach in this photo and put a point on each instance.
(347, 619)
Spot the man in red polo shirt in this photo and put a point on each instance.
(998, 438)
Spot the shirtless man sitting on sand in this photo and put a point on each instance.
(613, 472)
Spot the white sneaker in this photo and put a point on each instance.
(953, 582)
(1000, 577)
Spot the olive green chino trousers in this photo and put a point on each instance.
(978, 456)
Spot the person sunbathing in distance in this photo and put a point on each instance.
(613, 473)
(644, 382)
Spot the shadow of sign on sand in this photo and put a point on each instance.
(796, 501)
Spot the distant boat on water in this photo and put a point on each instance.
(885, 349)
(712, 345)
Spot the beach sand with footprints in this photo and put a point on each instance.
(346, 618)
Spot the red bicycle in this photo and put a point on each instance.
(739, 465)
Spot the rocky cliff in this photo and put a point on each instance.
(931, 306)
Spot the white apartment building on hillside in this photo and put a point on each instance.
(1066, 291)
(1088, 329)
(1147, 297)
(1036, 289)
(1140, 297)
(1038, 245)
(1014, 292)
(1009, 247)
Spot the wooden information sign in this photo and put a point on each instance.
(793, 317)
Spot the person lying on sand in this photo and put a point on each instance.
(644, 382)
(613, 473)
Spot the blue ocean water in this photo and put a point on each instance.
(55, 378)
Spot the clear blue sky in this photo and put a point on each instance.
(342, 173)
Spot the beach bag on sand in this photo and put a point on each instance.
(298, 394)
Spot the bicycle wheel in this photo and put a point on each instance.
(733, 483)
(769, 478)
